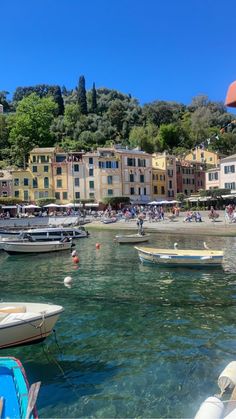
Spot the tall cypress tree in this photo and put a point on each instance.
(94, 99)
(82, 99)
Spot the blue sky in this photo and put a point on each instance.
(152, 49)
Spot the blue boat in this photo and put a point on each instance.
(17, 400)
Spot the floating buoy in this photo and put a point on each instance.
(75, 259)
(68, 281)
(98, 245)
(74, 253)
(211, 408)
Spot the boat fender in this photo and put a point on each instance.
(211, 408)
(98, 245)
(227, 379)
(74, 253)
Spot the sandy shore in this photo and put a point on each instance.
(220, 227)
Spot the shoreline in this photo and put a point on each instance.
(177, 227)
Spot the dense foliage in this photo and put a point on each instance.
(81, 119)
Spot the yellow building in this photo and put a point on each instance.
(102, 174)
(203, 156)
(22, 181)
(164, 166)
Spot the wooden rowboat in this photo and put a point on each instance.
(17, 399)
(132, 238)
(176, 257)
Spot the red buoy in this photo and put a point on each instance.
(98, 245)
(75, 259)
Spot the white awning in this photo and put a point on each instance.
(91, 204)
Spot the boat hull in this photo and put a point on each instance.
(132, 238)
(34, 247)
(14, 389)
(192, 259)
(28, 327)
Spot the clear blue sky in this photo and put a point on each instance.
(152, 49)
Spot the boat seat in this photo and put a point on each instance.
(13, 309)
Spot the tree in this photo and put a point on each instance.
(30, 126)
(116, 115)
(82, 99)
(169, 136)
(94, 99)
(3, 100)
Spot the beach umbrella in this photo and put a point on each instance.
(231, 96)
(51, 206)
(153, 203)
(31, 206)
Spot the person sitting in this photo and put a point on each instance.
(198, 217)
(189, 216)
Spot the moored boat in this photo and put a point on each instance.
(22, 247)
(17, 399)
(47, 233)
(176, 257)
(132, 238)
(26, 323)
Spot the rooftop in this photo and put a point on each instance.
(39, 150)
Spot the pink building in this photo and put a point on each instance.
(5, 183)
(213, 178)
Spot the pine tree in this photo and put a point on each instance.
(94, 99)
(82, 99)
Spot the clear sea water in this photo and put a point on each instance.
(134, 341)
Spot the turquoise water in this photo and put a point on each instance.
(134, 340)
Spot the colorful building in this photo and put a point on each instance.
(212, 178)
(228, 172)
(202, 155)
(166, 164)
(5, 183)
(190, 176)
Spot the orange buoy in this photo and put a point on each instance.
(98, 245)
(75, 259)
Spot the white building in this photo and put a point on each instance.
(228, 172)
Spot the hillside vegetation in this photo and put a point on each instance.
(81, 119)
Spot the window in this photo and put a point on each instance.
(64, 195)
(76, 181)
(90, 172)
(17, 194)
(108, 165)
(4, 183)
(4, 194)
(170, 172)
(90, 160)
(57, 195)
(43, 159)
(213, 176)
(59, 183)
(35, 182)
(142, 178)
(109, 180)
(155, 191)
(26, 181)
(46, 183)
(77, 195)
(45, 168)
(16, 182)
(144, 191)
(162, 190)
(34, 169)
(141, 163)
(229, 169)
(91, 184)
(110, 192)
(76, 167)
(91, 194)
(26, 195)
(59, 170)
(139, 191)
(230, 185)
(131, 177)
(60, 158)
(34, 159)
(131, 191)
(170, 184)
(130, 162)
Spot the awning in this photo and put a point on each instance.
(231, 96)
(8, 207)
(92, 204)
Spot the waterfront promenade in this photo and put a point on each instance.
(220, 227)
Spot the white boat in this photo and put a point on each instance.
(109, 220)
(176, 257)
(26, 323)
(132, 238)
(48, 233)
(21, 247)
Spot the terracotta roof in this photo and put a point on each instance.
(43, 150)
(229, 158)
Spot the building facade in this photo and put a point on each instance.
(228, 172)
(213, 178)
(5, 183)
(203, 156)
(167, 164)
(190, 176)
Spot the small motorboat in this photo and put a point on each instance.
(109, 220)
(26, 323)
(30, 246)
(17, 399)
(176, 257)
(132, 238)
